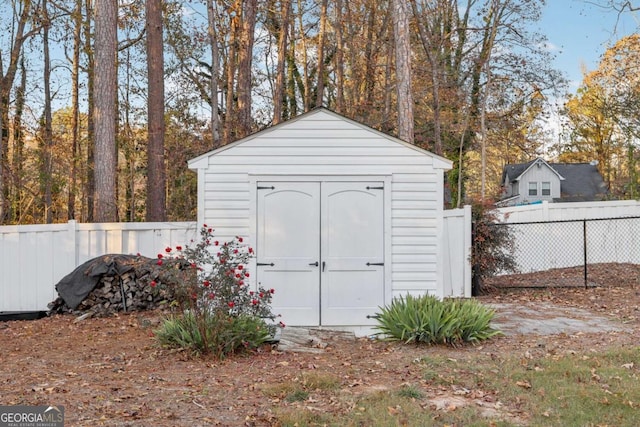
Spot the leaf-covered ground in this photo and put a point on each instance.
(109, 371)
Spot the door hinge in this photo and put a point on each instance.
(266, 188)
(374, 263)
(375, 188)
(270, 264)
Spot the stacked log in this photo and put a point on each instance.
(115, 294)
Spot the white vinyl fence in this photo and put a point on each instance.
(33, 258)
(546, 211)
(456, 259)
(556, 235)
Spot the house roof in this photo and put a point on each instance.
(579, 181)
(439, 162)
(515, 171)
(582, 181)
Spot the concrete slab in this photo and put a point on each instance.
(549, 319)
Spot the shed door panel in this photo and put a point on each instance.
(352, 237)
(288, 237)
(339, 226)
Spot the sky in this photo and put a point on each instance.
(579, 32)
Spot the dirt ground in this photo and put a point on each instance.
(109, 371)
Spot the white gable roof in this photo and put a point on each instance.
(538, 161)
(319, 114)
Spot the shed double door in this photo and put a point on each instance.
(320, 245)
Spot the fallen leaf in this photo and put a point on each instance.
(524, 384)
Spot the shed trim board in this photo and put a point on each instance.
(327, 149)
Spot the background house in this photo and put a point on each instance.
(538, 181)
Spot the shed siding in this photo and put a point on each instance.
(324, 145)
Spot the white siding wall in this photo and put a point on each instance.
(539, 175)
(324, 146)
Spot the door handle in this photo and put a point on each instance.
(374, 263)
(323, 265)
(315, 264)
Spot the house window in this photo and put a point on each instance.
(546, 188)
(533, 188)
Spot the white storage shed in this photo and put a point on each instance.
(342, 217)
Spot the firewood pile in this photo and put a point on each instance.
(125, 287)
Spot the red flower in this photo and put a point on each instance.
(211, 296)
(159, 262)
(216, 243)
(206, 283)
(210, 230)
(167, 249)
(282, 325)
(160, 256)
(178, 248)
(194, 296)
(238, 276)
(254, 301)
(230, 304)
(246, 274)
(240, 282)
(240, 239)
(193, 265)
(235, 251)
(261, 294)
(153, 284)
(273, 291)
(250, 250)
(204, 225)
(240, 267)
(251, 293)
(138, 254)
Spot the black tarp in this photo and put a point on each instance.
(75, 286)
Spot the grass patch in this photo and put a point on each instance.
(410, 392)
(320, 381)
(569, 390)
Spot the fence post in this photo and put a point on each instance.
(545, 210)
(584, 250)
(72, 227)
(468, 242)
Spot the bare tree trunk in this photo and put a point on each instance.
(230, 118)
(6, 82)
(245, 61)
(47, 137)
(106, 22)
(16, 210)
(403, 71)
(90, 183)
(278, 101)
(215, 65)
(305, 60)
(75, 110)
(339, 59)
(321, 42)
(156, 174)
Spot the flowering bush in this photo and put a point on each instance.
(209, 281)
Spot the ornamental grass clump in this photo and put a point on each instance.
(426, 319)
(217, 312)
